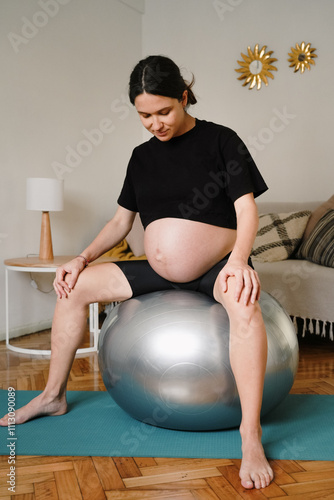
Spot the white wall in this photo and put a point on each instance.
(206, 38)
(65, 66)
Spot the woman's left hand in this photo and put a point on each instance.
(247, 282)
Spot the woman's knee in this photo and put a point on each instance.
(76, 295)
(100, 283)
(246, 322)
(237, 310)
(249, 314)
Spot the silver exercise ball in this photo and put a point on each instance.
(164, 359)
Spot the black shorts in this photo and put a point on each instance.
(143, 279)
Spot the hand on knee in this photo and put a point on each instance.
(241, 280)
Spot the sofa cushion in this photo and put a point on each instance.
(303, 288)
(319, 246)
(122, 251)
(279, 235)
(317, 214)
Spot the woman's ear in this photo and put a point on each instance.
(184, 99)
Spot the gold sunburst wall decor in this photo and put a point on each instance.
(301, 57)
(256, 67)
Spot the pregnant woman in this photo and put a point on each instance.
(193, 184)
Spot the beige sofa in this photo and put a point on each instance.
(305, 289)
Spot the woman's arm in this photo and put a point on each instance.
(113, 232)
(237, 265)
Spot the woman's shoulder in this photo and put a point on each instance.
(217, 133)
(215, 127)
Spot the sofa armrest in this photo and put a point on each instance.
(304, 289)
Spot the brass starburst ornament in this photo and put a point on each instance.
(256, 67)
(301, 57)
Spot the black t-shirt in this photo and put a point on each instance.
(195, 176)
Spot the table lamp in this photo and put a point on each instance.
(45, 195)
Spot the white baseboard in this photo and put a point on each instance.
(26, 329)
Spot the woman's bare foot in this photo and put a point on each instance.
(255, 471)
(43, 404)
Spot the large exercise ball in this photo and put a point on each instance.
(164, 358)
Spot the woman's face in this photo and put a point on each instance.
(164, 117)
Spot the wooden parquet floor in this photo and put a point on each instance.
(106, 478)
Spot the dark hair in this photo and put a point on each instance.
(159, 75)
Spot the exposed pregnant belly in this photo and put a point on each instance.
(182, 250)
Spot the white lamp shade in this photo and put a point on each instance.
(45, 195)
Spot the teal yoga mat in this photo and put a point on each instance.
(300, 428)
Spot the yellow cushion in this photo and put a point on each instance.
(122, 251)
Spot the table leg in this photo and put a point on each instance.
(93, 322)
(7, 308)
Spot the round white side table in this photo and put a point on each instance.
(35, 265)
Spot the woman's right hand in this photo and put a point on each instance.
(67, 276)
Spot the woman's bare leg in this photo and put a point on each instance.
(99, 283)
(248, 357)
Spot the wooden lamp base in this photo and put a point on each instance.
(45, 249)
